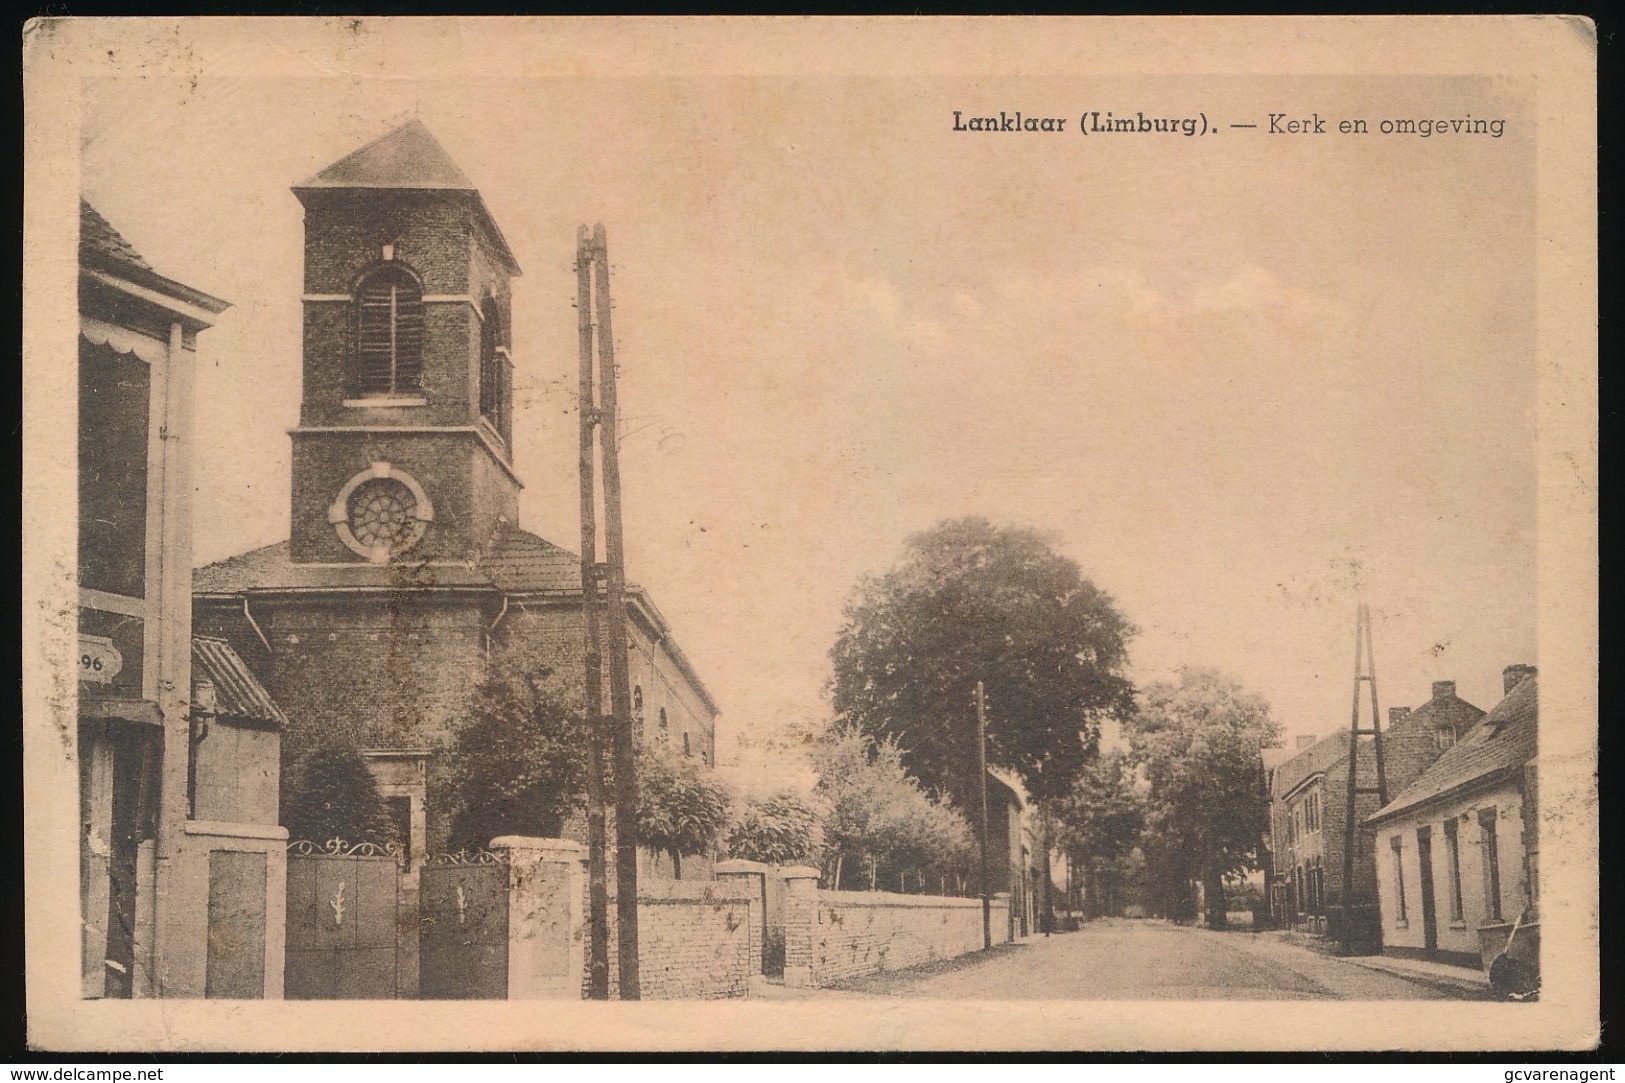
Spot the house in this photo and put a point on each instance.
(1309, 811)
(1459, 848)
(181, 858)
(406, 571)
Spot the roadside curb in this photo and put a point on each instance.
(1475, 988)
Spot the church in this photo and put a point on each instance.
(406, 571)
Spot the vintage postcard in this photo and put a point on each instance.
(834, 534)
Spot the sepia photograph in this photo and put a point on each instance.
(853, 534)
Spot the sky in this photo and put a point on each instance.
(1244, 380)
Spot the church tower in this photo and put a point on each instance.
(403, 452)
(406, 579)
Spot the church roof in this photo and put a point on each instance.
(519, 562)
(516, 562)
(408, 158)
(1502, 740)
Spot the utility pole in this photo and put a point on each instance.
(981, 769)
(597, 888)
(1365, 669)
(620, 694)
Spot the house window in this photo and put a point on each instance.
(389, 333)
(1452, 849)
(1444, 737)
(494, 367)
(1492, 864)
(663, 734)
(687, 751)
(1398, 845)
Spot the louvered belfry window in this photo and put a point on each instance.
(492, 364)
(389, 333)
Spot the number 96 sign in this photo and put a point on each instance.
(99, 660)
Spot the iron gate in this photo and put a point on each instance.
(343, 921)
(463, 932)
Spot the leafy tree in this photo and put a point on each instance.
(975, 601)
(682, 808)
(1100, 823)
(518, 766)
(1199, 742)
(780, 830)
(878, 818)
(330, 793)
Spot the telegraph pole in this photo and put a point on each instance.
(620, 693)
(597, 888)
(981, 768)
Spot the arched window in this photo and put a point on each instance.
(494, 365)
(637, 704)
(389, 332)
(663, 734)
(686, 750)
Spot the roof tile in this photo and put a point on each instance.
(1504, 738)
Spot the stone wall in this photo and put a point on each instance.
(694, 939)
(834, 936)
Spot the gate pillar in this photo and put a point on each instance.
(800, 924)
(753, 875)
(546, 927)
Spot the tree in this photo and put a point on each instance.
(330, 793)
(1100, 823)
(781, 830)
(518, 766)
(682, 809)
(972, 601)
(878, 819)
(1199, 742)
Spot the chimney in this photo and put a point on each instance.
(1512, 676)
(1305, 740)
(1396, 715)
(1444, 689)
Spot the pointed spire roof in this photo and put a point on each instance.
(408, 158)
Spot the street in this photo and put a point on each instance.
(1122, 959)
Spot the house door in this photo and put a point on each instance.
(134, 755)
(1430, 912)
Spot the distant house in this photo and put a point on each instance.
(1458, 849)
(1309, 808)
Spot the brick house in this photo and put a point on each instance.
(181, 859)
(406, 569)
(1459, 850)
(1309, 807)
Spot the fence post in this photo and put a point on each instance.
(752, 875)
(800, 923)
(546, 930)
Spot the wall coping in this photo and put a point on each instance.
(800, 872)
(661, 891)
(891, 898)
(560, 847)
(739, 864)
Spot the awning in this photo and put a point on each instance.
(126, 710)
